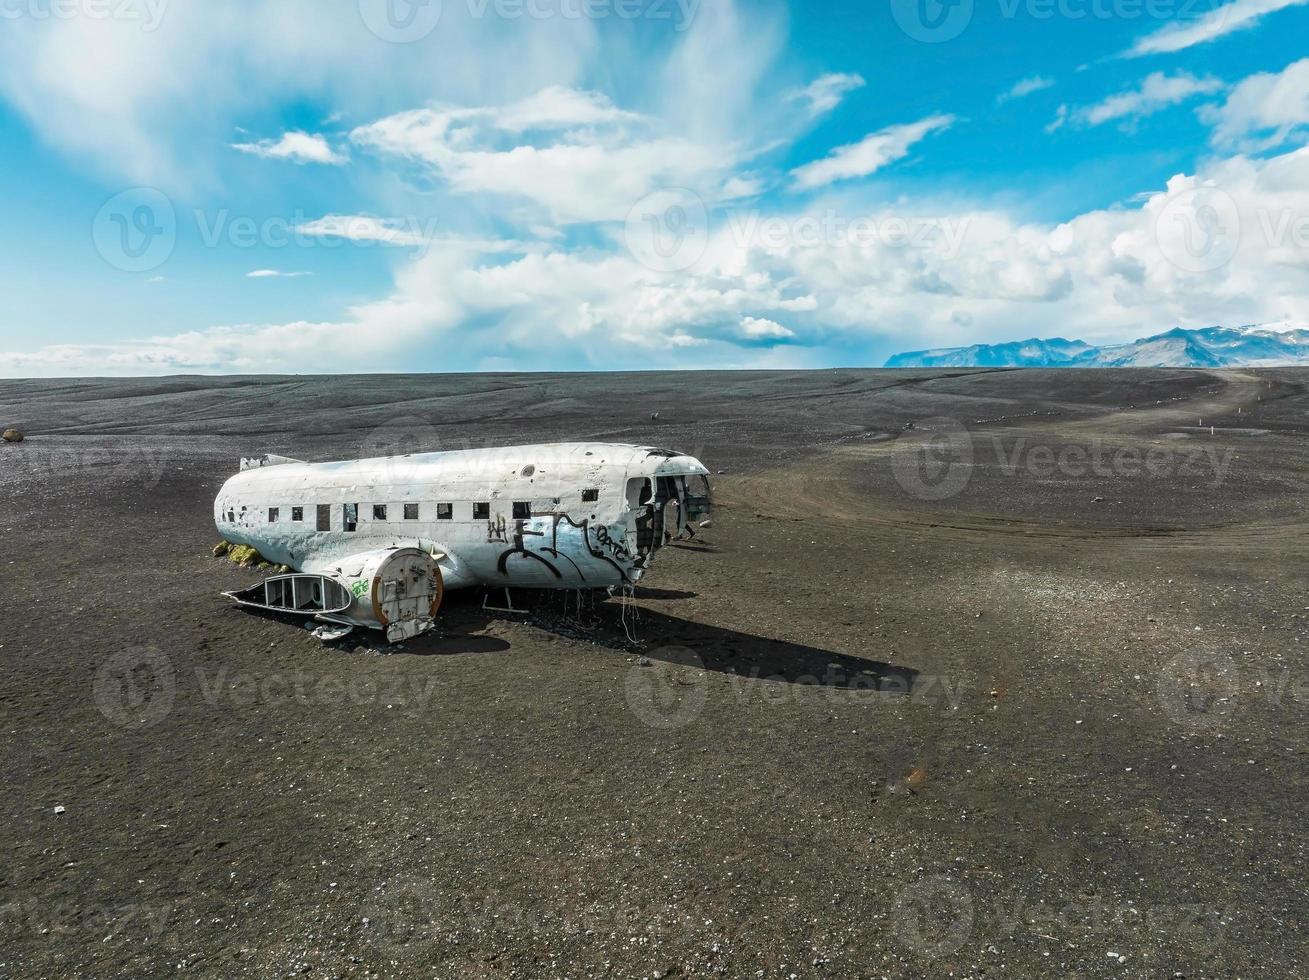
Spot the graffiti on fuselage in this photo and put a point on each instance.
(605, 549)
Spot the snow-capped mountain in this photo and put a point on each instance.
(1252, 346)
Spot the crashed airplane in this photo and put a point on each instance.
(376, 542)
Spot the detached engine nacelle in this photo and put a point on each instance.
(396, 590)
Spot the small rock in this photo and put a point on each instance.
(1097, 500)
(12, 435)
(643, 662)
(60, 809)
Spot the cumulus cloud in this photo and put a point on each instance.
(1239, 15)
(1157, 92)
(275, 274)
(761, 328)
(872, 153)
(298, 147)
(1263, 110)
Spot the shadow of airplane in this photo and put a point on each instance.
(671, 639)
(603, 621)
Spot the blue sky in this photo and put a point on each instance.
(382, 185)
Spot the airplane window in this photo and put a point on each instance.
(445, 512)
(481, 512)
(297, 513)
(379, 512)
(349, 516)
(231, 517)
(272, 515)
(590, 496)
(411, 512)
(522, 510)
(324, 517)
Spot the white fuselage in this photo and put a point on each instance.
(555, 516)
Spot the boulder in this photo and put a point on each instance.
(12, 435)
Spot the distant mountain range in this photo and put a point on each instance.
(1253, 346)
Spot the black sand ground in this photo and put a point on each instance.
(1019, 690)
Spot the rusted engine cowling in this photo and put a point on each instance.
(397, 590)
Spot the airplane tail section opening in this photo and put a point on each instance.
(395, 590)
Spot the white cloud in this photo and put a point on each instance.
(275, 274)
(1238, 15)
(156, 106)
(596, 173)
(1105, 275)
(1025, 87)
(761, 328)
(295, 146)
(824, 93)
(365, 228)
(1156, 93)
(1263, 110)
(870, 154)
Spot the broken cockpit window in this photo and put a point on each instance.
(590, 496)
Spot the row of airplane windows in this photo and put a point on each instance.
(481, 511)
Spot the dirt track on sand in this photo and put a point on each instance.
(976, 673)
